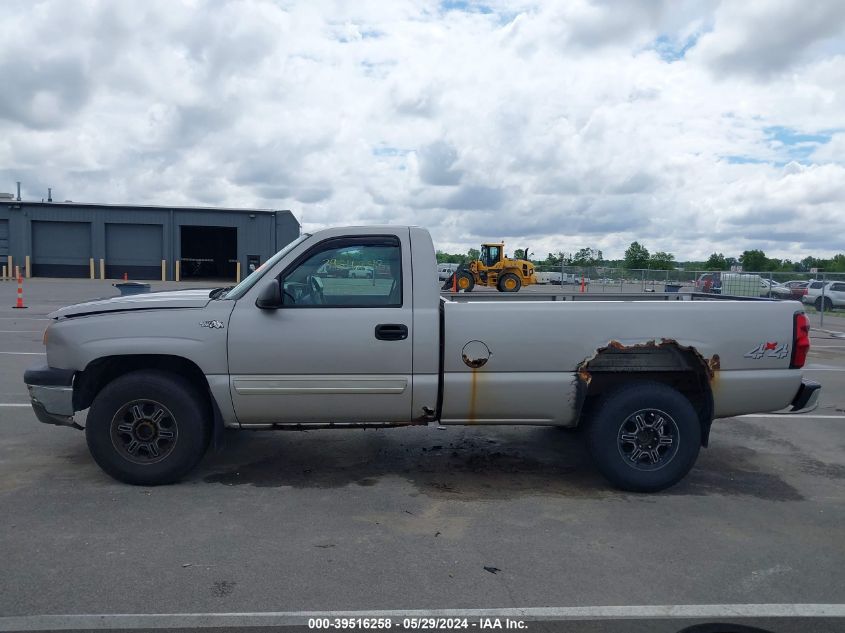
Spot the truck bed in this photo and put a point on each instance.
(538, 350)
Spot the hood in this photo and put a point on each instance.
(148, 301)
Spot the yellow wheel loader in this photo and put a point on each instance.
(493, 270)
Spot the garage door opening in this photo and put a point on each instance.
(209, 252)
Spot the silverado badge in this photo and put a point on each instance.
(214, 325)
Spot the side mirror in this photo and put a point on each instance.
(271, 297)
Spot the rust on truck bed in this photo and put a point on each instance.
(651, 356)
(585, 367)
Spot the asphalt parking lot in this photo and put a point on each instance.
(416, 518)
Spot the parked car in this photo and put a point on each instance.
(798, 288)
(444, 271)
(709, 282)
(163, 374)
(834, 295)
(814, 291)
(361, 272)
(774, 289)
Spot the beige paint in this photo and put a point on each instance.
(27, 267)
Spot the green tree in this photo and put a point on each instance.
(449, 258)
(662, 261)
(636, 256)
(716, 261)
(553, 259)
(837, 264)
(587, 257)
(753, 260)
(473, 254)
(810, 262)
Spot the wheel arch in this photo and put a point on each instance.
(101, 371)
(668, 362)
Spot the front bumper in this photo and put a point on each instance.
(807, 397)
(51, 395)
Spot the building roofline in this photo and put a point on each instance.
(157, 207)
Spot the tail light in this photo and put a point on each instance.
(800, 340)
(803, 292)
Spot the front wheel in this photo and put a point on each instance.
(148, 428)
(509, 282)
(465, 281)
(644, 437)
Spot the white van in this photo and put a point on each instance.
(549, 277)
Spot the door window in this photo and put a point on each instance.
(490, 255)
(351, 272)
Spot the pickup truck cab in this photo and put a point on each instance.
(163, 374)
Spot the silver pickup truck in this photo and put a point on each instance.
(299, 344)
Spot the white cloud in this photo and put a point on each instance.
(688, 126)
(762, 37)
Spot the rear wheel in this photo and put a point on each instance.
(644, 437)
(465, 281)
(148, 428)
(509, 282)
(826, 305)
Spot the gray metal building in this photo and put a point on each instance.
(70, 239)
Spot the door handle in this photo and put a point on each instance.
(391, 332)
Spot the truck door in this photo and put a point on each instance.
(340, 347)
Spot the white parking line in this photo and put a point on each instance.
(21, 331)
(23, 318)
(13, 404)
(812, 347)
(289, 618)
(806, 416)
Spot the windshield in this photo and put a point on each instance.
(238, 291)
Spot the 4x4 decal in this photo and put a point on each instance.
(769, 349)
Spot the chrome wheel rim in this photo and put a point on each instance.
(648, 439)
(144, 431)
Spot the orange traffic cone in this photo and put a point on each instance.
(19, 304)
(125, 276)
(455, 281)
(583, 284)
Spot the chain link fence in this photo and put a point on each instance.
(819, 292)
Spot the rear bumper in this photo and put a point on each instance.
(51, 394)
(807, 397)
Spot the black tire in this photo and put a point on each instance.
(614, 433)
(828, 304)
(465, 281)
(509, 279)
(143, 407)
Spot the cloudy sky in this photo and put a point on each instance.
(690, 126)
